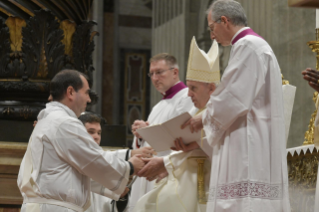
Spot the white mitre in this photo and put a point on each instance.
(203, 67)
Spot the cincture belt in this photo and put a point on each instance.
(40, 200)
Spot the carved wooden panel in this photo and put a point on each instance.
(135, 88)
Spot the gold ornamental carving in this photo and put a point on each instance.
(309, 134)
(201, 194)
(302, 176)
(284, 82)
(68, 28)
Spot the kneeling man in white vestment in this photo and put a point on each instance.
(62, 157)
(244, 120)
(178, 191)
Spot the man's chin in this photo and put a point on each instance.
(159, 89)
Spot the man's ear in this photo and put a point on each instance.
(224, 19)
(176, 72)
(70, 92)
(212, 87)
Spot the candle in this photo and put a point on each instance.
(317, 18)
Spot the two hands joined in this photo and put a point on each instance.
(312, 76)
(153, 167)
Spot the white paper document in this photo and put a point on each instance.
(162, 136)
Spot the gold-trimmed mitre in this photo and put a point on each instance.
(203, 67)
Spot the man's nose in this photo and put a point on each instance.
(154, 76)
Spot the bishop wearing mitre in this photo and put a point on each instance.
(179, 190)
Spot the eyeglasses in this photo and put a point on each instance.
(158, 72)
(210, 28)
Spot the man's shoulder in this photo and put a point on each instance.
(183, 93)
(254, 43)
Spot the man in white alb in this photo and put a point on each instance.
(244, 120)
(164, 75)
(62, 157)
(178, 192)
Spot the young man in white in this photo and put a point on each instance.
(164, 73)
(62, 157)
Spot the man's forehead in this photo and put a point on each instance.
(84, 81)
(93, 125)
(159, 63)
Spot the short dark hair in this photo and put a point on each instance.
(62, 80)
(90, 117)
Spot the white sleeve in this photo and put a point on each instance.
(184, 105)
(121, 153)
(76, 146)
(205, 147)
(101, 190)
(233, 98)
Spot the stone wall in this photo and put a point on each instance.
(287, 30)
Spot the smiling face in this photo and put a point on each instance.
(163, 76)
(200, 92)
(94, 129)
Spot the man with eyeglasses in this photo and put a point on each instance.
(164, 75)
(244, 120)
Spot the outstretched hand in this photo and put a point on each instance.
(125, 192)
(195, 123)
(312, 76)
(154, 166)
(137, 125)
(146, 152)
(179, 145)
(137, 163)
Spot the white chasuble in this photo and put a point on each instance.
(61, 158)
(178, 191)
(164, 110)
(244, 123)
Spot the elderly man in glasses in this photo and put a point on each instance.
(244, 120)
(163, 72)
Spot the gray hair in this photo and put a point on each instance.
(229, 8)
(169, 59)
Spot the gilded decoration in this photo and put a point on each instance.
(68, 28)
(309, 139)
(302, 176)
(37, 40)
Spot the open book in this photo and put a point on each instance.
(162, 136)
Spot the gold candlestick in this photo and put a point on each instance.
(314, 45)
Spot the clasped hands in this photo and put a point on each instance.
(312, 76)
(154, 167)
